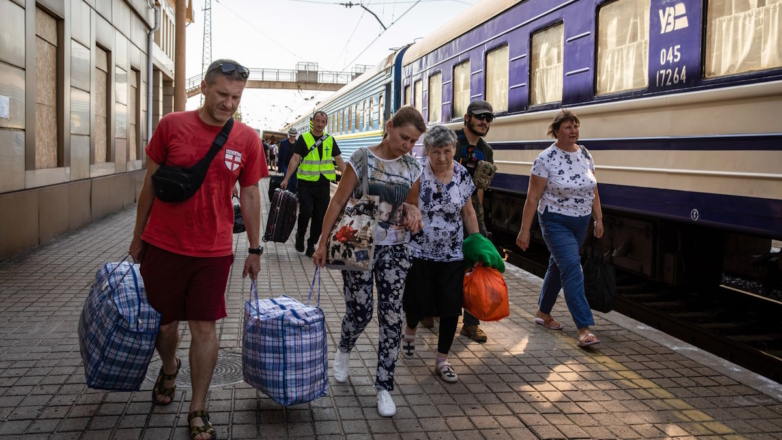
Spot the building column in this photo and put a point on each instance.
(156, 106)
(180, 94)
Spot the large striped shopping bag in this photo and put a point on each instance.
(117, 329)
(284, 349)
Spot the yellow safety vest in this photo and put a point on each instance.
(313, 166)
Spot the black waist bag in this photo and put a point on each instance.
(177, 184)
(599, 282)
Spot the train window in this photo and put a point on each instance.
(366, 118)
(461, 89)
(380, 112)
(743, 36)
(342, 124)
(419, 96)
(435, 97)
(357, 118)
(497, 79)
(623, 46)
(371, 122)
(546, 71)
(407, 95)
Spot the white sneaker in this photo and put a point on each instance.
(341, 366)
(385, 404)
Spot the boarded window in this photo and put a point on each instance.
(101, 105)
(743, 36)
(623, 46)
(46, 124)
(419, 96)
(497, 79)
(546, 71)
(407, 95)
(461, 89)
(435, 97)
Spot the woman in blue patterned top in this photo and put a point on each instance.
(563, 188)
(434, 285)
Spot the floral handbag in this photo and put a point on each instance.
(351, 243)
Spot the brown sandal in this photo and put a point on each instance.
(195, 431)
(160, 390)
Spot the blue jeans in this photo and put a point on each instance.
(564, 235)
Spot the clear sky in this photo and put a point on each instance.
(279, 33)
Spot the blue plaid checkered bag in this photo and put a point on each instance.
(117, 329)
(284, 349)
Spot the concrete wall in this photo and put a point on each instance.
(33, 217)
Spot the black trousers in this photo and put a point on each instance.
(313, 202)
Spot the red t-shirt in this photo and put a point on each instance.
(201, 226)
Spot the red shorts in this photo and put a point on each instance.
(185, 288)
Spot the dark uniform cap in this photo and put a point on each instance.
(479, 108)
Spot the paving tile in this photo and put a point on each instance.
(629, 387)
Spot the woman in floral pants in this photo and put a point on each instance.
(393, 176)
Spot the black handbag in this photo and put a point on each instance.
(238, 219)
(599, 281)
(177, 184)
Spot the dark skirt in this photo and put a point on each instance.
(434, 288)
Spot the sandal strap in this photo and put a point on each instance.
(205, 429)
(163, 391)
(446, 369)
(170, 376)
(202, 413)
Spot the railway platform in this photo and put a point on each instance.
(524, 383)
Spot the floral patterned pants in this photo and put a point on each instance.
(389, 271)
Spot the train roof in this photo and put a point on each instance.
(479, 13)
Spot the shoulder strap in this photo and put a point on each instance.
(318, 143)
(365, 172)
(585, 152)
(218, 143)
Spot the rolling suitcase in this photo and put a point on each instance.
(282, 216)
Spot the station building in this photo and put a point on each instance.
(74, 85)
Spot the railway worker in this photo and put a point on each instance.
(185, 248)
(470, 150)
(314, 155)
(563, 190)
(394, 177)
(286, 152)
(435, 282)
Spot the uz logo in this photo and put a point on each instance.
(673, 18)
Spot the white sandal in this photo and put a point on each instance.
(446, 373)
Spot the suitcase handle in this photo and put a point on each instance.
(312, 286)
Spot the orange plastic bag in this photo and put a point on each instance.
(486, 294)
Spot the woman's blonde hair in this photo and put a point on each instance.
(563, 116)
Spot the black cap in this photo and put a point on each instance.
(479, 108)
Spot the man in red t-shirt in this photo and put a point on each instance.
(186, 248)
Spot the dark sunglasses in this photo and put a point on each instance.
(488, 117)
(230, 68)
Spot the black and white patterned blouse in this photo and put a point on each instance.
(570, 184)
(441, 210)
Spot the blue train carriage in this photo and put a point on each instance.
(358, 111)
(679, 102)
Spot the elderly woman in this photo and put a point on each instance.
(434, 285)
(393, 175)
(563, 188)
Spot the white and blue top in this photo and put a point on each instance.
(441, 211)
(570, 184)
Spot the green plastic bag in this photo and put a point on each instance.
(478, 249)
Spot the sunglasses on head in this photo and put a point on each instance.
(488, 117)
(230, 68)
